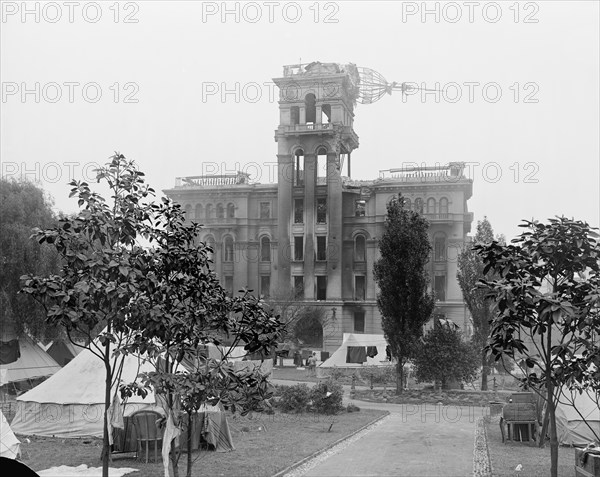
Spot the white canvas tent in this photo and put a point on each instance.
(71, 402)
(33, 363)
(9, 444)
(339, 358)
(571, 428)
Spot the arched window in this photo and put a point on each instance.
(188, 212)
(419, 205)
(220, 211)
(407, 204)
(439, 248)
(443, 206)
(431, 205)
(360, 249)
(199, 211)
(210, 212)
(265, 249)
(210, 243)
(228, 249)
(310, 105)
(230, 211)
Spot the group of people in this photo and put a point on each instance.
(311, 362)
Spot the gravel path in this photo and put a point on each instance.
(428, 447)
(481, 457)
(302, 469)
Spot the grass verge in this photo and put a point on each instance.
(505, 457)
(265, 444)
(292, 374)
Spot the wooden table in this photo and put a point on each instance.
(513, 429)
(516, 415)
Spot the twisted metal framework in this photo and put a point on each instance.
(373, 86)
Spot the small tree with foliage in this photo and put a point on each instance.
(161, 302)
(102, 262)
(444, 356)
(182, 308)
(401, 276)
(545, 299)
(470, 272)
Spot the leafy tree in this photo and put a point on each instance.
(161, 302)
(546, 298)
(23, 206)
(470, 271)
(181, 308)
(101, 266)
(400, 273)
(445, 356)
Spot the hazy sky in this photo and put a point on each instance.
(521, 104)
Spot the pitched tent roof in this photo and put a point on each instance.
(571, 428)
(81, 381)
(33, 363)
(9, 444)
(338, 358)
(71, 402)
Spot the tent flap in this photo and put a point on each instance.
(9, 444)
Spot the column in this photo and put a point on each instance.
(285, 171)
(334, 218)
(310, 177)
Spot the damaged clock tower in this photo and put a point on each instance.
(314, 235)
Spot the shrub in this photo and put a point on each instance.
(380, 375)
(294, 398)
(327, 398)
(444, 357)
(352, 408)
(336, 373)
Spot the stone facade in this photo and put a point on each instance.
(314, 235)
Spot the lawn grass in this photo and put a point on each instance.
(535, 461)
(265, 444)
(289, 373)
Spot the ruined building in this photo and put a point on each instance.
(313, 236)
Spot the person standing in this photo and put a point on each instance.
(312, 364)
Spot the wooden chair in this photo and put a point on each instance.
(148, 433)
